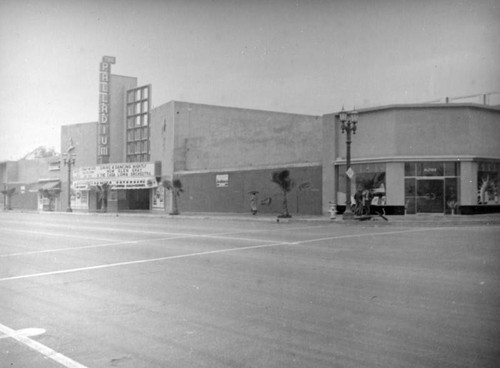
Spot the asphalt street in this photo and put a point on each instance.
(101, 291)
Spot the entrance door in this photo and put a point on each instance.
(430, 198)
(138, 199)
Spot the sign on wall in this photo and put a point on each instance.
(104, 109)
(222, 181)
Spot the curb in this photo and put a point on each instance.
(414, 220)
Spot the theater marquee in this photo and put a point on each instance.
(133, 175)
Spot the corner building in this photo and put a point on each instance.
(423, 158)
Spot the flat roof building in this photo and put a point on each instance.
(407, 159)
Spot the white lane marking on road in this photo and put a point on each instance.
(28, 332)
(61, 235)
(40, 348)
(185, 236)
(347, 236)
(27, 253)
(109, 265)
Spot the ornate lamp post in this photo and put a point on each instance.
(348, 121)
(69, 160)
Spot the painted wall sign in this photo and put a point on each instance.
(55, 165)
(104, 109)
(222, 181)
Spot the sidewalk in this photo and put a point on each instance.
(406, 220)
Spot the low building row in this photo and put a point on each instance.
(418, 158)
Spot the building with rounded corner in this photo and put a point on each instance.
(421, 158)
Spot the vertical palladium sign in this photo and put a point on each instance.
(103, 126)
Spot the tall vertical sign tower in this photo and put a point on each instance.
(104, 109)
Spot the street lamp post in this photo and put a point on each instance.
(69, 160)
(348, 121)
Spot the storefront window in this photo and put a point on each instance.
(369, 177)
(410, 168)
(431, 187)
(410, 195)
(451, 169)
(488, 180)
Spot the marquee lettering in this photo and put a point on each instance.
(104, 108)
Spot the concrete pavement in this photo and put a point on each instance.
(150, 291)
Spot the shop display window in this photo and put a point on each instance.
(488, 181)
(368, 178)
(431, 187)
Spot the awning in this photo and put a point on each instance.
(46, 185)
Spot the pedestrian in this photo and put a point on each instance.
(367, 199)
(253, 203)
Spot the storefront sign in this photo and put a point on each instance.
(55, 165)
(103, 126)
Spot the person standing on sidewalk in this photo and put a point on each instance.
(253, 203)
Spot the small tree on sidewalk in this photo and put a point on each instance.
(51, 195)
(102, 195)
(175, 187)
(286, 184)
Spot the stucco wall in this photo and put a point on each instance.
(162, 138)
(424, 131)
(8, 171)
(447, 131)
(202, 195)
(212, 137)
(84, 136)
(30, 171)
(374, 136)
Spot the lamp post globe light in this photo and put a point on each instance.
(348, 122)
(69, 160)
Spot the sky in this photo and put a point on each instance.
(299, 56)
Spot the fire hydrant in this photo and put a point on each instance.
(332, 211)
